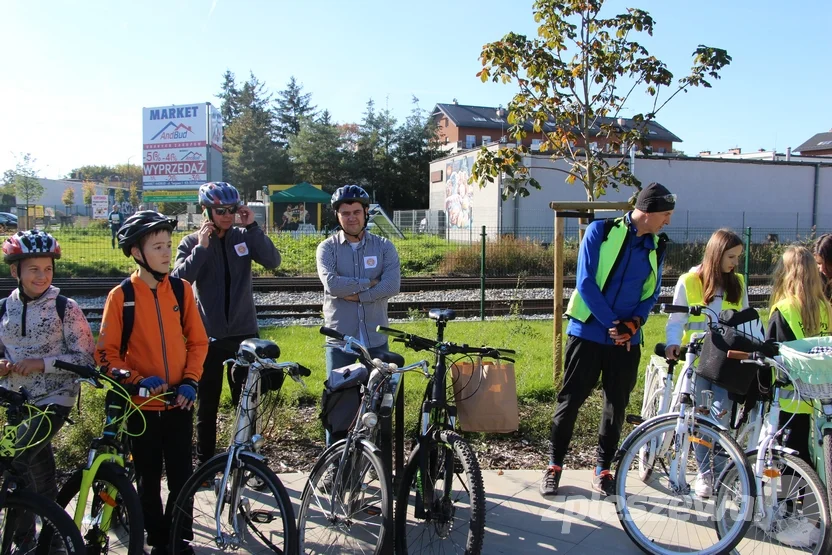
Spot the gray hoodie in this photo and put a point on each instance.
(205, 268)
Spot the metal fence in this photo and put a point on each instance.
(88, 251)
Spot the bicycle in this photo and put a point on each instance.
(428, 510)
(664, 496)
(349, 509)
(258, 512)
(100, 494)
(48, 529)
(792, 509)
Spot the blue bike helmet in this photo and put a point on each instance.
(350, 193)
(218, 193)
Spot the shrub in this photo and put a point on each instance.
(507, 256)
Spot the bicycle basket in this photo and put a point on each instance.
(714, 364)
(809, 366)
(341, 397)
(486, 396)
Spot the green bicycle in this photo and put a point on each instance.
(100, 495)
(29, 522)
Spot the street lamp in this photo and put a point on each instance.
(500, 115)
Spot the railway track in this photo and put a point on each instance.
(397, 310)
(100, 286)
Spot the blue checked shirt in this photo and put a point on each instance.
(346, 271)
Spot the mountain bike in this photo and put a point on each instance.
(100, 495)
(792, 509)
(347, 505)
(234, 501)
(29, 522)
(440, 503)
(658, 509)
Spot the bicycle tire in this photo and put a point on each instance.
(318, 517)
(630, 507)
(410, 528)
(827, 464)
(128, 504)
(53, 520)
(274, 500)
(756, 539)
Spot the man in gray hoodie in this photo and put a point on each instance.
(216, 260)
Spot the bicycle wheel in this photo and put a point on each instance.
(346, 513)
(663, 515)
(250, 521)
(654, 382)
(792, 510)
(31, 523)
(455, 521)
(123, 531)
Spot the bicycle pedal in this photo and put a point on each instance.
(634, 419)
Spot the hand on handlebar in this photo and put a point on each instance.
(671, 352)
(154, 384)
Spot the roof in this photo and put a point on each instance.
(486, 117)
(302, 192)
(821, 141)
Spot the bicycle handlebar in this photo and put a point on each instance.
(334, 334)
(418, 343)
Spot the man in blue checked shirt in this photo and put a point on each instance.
(618, 283)
(360, 272)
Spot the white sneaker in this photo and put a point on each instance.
(704, 486)
(798, 532)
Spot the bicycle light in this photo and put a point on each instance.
(370, 419)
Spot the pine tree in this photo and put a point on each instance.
(292, 106)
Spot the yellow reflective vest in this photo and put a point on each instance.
(791, 314)
(696, 297)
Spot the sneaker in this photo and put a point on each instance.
(551, 480)
(798, 532)
(704, 486)
(603, 483)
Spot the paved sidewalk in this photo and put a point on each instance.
(519, 520)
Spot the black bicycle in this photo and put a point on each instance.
(440, 504)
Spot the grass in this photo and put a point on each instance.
(536, 391)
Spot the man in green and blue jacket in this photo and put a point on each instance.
(618, 283)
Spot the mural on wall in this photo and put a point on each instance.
(459, 194)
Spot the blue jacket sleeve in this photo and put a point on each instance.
(588, 257)
(644, 307)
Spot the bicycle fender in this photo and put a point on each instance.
(628, 441)
(365, 443)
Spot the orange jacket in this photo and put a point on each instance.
(156, 346)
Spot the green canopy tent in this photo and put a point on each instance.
(301, 193)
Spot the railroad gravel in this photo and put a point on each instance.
(312, 297)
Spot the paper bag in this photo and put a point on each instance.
(486, 396)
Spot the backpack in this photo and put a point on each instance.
(60, 305)
(129, 309)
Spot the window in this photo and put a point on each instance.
(535, 144)
(470, 141)
(486, 139)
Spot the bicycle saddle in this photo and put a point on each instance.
(263, 348)
(395, 358)
(441, 314)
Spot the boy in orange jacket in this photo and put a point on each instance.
(159, 359)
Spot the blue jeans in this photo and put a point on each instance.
(720, 403)
(336, 358)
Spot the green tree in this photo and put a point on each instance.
(252, 155)
(134, 195)
(574, 81)
(88, 189)
(122, 194)
(318, 154)
(293, 105)
(25, 181)
(416, 146)
(229, 94)
(68, 196)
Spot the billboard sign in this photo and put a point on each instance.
(175, 140)
(100, 207)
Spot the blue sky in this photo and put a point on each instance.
(75, 74)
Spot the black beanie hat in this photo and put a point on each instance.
(655, 198)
